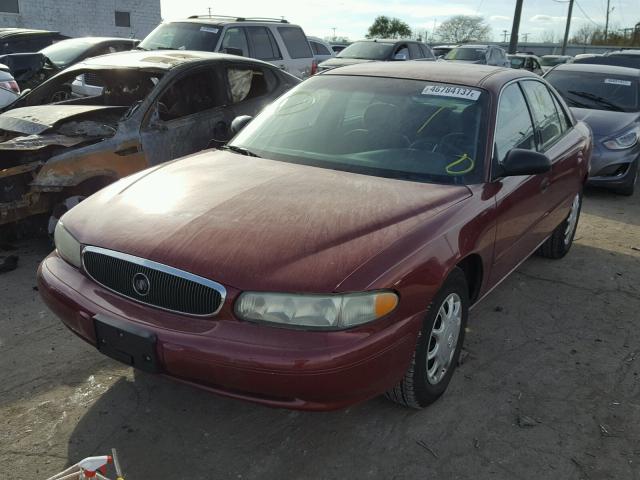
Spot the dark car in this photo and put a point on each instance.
(618, 58)
(526, 62)
(332, 251)
(479, 55)
(31, 69)
(442, 50)
(378, 50)
(153, 107)
(18, 40)
(607, 98)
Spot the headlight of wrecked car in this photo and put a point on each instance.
(626, 140)
(316, 311)
(67, 246)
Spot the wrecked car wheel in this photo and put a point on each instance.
(60, 209)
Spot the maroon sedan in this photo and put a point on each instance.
(330, 253)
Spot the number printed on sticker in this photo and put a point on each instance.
(451, 91)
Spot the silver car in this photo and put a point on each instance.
(9, 90)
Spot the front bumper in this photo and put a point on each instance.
(273, 366)
(612, 168)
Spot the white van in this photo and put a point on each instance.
(272, 40)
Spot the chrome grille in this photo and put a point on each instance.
(168, 288)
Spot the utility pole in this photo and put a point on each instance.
(513, 44)
(566, 31)
(209, 11)
(504, 36)
(334, 33)
(526, 37)
(606, 24)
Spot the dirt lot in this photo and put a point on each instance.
(550, 389)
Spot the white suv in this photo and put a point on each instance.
(272, 40)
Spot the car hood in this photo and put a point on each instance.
(35, 120)
(605, 122)
(343, 62)
(473, 62)
(257, 224)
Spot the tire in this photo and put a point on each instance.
(630, 186)
(418, 388)
(560, 241)
(60, 209)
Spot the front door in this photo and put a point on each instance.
(187, 115)
(521, 201)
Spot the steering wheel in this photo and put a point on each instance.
(453, 145)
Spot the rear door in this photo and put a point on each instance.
(263, 45)
(561, 144)
(521, 201)
(189, 112)
(297, 54)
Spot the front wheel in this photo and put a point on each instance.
(438, 346)
(560, 241)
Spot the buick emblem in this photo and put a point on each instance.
(141, 284)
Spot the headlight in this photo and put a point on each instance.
(626, 140)
(67, 246)
(330, 312)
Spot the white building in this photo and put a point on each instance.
(81, 18)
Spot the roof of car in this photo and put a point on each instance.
(625, 52)
(96, 40)
(225, 20)
(445, 72)
(157, 59)
(597, 68)
(10, 32)
(472, 46)
(387, 40)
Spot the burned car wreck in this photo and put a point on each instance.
(152, 107)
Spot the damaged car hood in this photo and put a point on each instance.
(36, 120)
(254, 223)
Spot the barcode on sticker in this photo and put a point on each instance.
(450, 91)
(615, 81)
(208, 29)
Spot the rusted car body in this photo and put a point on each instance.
(153, 107)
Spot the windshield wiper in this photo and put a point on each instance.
(597, 99)
(240, 150)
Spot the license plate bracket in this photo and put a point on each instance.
(127, 343)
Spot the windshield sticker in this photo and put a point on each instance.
(208, 29)
(615, 81)
(453, 92)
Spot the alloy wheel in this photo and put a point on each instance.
(572, 220)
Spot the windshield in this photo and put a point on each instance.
(406, 129)
(182, 36)
(552, 61)
(367, 51)
(465, 54)
(600, 91)
(63, 54)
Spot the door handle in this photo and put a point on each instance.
(544, 184)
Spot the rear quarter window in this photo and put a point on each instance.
(296, 42)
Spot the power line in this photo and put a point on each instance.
(586, 15)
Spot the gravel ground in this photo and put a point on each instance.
(549, 389)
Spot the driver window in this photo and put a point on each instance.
(402, 53)
(235, 38)
(514, 128)
(189, 95)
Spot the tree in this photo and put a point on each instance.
(548, 36)
(385, 27)
(463, 28)
(586, 34)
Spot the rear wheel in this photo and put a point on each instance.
(560, 241)
(438, 346)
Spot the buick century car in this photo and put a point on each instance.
(152, 107)
(330, 253)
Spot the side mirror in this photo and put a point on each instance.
(233, 51)
(239, 123)
(523, 162)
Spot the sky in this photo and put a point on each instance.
(351, 18)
